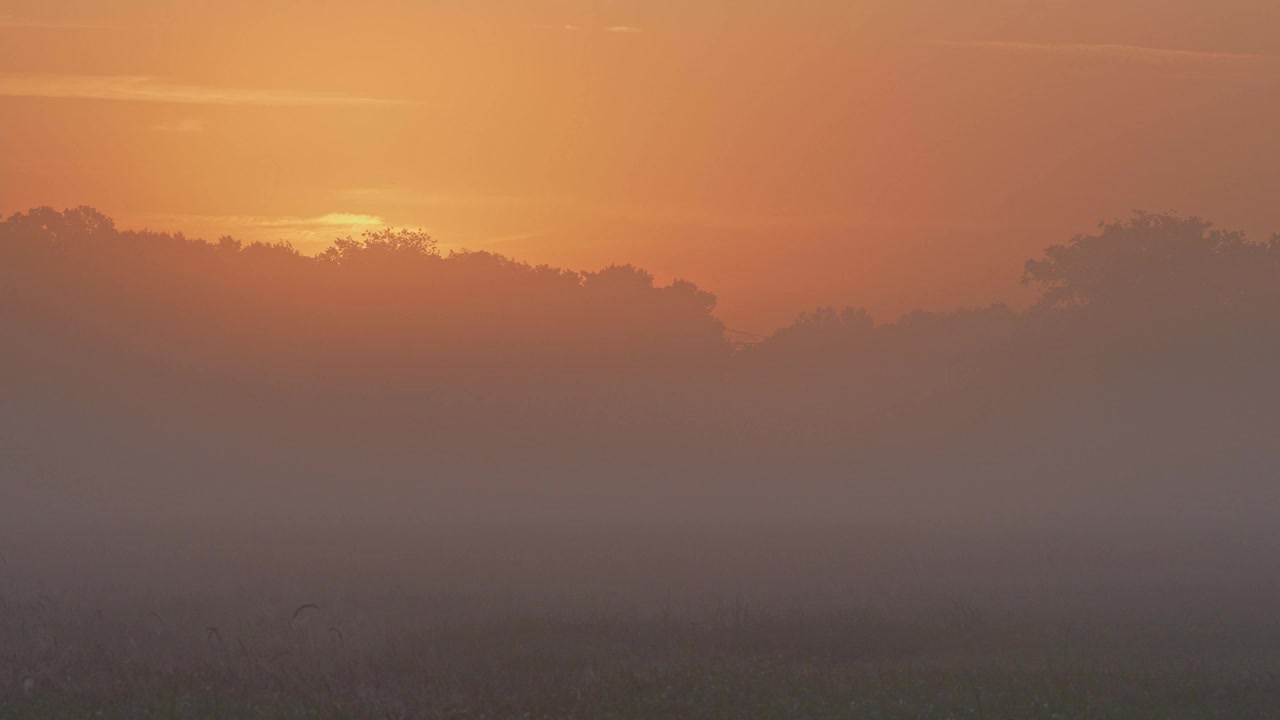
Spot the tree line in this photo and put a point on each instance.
(1148, 354)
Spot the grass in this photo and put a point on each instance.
(65, 658)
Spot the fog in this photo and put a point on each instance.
(384, 415)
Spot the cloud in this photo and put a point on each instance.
(577, 209)
(138, 88)
(281, 221)
(496, 241)
(329, 220)
(1126, 53)
(622, 29)
(419, 197)
(307, 233)
(181, 127)
(10, 21)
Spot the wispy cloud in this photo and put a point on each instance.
(487, 243)
(323, 221)
(11, 21)
(622, 29)
(307, 233)
(138, 88)
(181, 127)
(578, 209)
(419, 197)
(1126, 53)
(280, 221)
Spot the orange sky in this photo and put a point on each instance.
(892, 155)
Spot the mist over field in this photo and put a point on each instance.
(209, 405)
(201, 436)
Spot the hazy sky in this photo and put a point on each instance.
(891, 154)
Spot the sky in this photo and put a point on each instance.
(887, 154)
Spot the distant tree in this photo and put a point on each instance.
(686, 294)
(44, 224)
(381, 247)
(827, 330)
(1155, 262)
(618, 281)
(278, 249)
(829, 340)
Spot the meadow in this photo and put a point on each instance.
(385, 482)
(636, 643)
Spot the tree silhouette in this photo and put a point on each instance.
(1152, 347)
(1157, 264)
(381, 248)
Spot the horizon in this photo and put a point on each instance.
(852, 153)
(1024, 300)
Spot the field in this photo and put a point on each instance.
(145, 665)
(358, 649)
